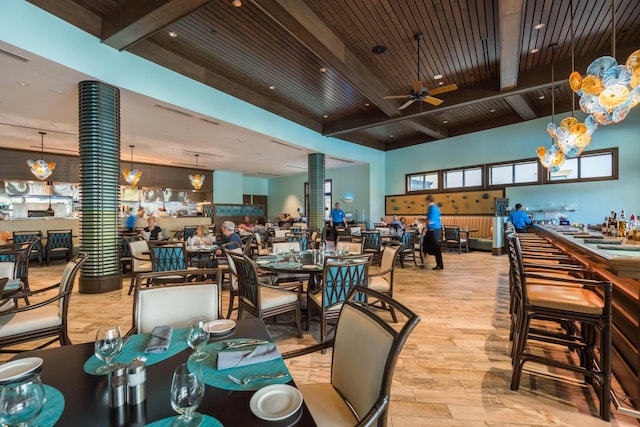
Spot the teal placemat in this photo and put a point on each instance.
(213, 377)
(603, 242)
(134, 347)
(52, 410)
(207, 421)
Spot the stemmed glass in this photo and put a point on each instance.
(187, 390)
(21, 402)
(107, 346)
(198, 337)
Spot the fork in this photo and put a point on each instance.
(246, 380)
(232, 345)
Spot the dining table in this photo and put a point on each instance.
(85, 395)
(287, 265)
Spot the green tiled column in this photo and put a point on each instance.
(316, 191)
(99, 129)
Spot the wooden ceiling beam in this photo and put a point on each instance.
(480, 93)
(297, 18)
(520, 105)
(511, 14)
(134, 21)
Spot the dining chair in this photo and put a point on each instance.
(45, 319)
(408, 251)
(59, 242)
(346, 243)
(339, 277)
(18, 253)
(233, 277)
(26, 236)
(140, 260)
(365, 351)
(372, 244)
(302, 237)
(168, 258)
(453, 238)
(382, 281)
(189, 231)
(261, 300)
(8, 269)
(173, 305)
(285, 247)
(584, 314)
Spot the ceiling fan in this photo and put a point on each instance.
(419, 92)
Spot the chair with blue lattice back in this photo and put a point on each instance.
(27, 236)
(408, 247)
(189, 231)
(168, 258)
(59, 242)
(12, 266)
(339, 276)
(371, 244)
(301, 237)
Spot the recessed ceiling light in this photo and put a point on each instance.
(21, 83)
(173, 34)
(539, 26)
(437, 76)
(272, 87)
(323, 70)
(441, 83)
(391, 136)
(378, 49)
(366, 104)
(541, 97)
(445, 122)
(236, 3)
(534, 50)
(492, 110)
(325, 116)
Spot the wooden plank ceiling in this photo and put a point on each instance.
(311, 61)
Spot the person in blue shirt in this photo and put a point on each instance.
(230, 235)
(336, 219)
(519, 219)
(433, 238)
(396, 223)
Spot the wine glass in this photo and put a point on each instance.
(198, 337)
(107, 346)
(22, 401)
(187, 390)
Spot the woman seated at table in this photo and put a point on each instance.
(201, 237)
(152, 231)
(246, 226)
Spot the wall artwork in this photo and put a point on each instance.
(459, 203)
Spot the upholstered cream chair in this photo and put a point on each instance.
(365, 351)
(174, 305)
(140, 260)
(261, 300)
(354, 247)
(285, 246)
(382, 280)
(45, 319)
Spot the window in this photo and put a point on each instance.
(422, 181)
(471, 177)
(590, 166)
(514, 173)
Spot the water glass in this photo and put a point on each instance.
(108, 345)
(21, 402)
(198, 337)
(187, 390)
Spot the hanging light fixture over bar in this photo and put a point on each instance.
(132, 176)
(198, 179)
(41, 169)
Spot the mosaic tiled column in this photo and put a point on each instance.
(316, 191)
(99, 129)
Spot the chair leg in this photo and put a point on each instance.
(133, 283)
(231, 299)
(323, 331)
(306, 327)
(298, 321)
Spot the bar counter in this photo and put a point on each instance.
(622, 269)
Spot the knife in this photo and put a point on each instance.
(232, 345)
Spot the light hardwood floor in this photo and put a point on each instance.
(455, 369)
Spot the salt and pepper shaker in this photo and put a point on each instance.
(117, 383)
(136, 382)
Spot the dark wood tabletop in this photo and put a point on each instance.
(86, 396)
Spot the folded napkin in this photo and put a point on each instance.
(620, 247)
(160, 340)
(233, 359)
(603, 241)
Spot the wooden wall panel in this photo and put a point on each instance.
(458, 203)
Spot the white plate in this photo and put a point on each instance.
(19, 368)
(221, 326)
(263, 261)
(275, 402)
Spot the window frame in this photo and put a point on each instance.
(541, 172)
(408, 176)
(546, 177)
(483, 178)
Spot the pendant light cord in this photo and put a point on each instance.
(573, 63)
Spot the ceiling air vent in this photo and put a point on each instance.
(14, 55)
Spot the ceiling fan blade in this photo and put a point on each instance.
(406, 104)
(431, 100)
(443, 89)
(396, 97)
(418, 86)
